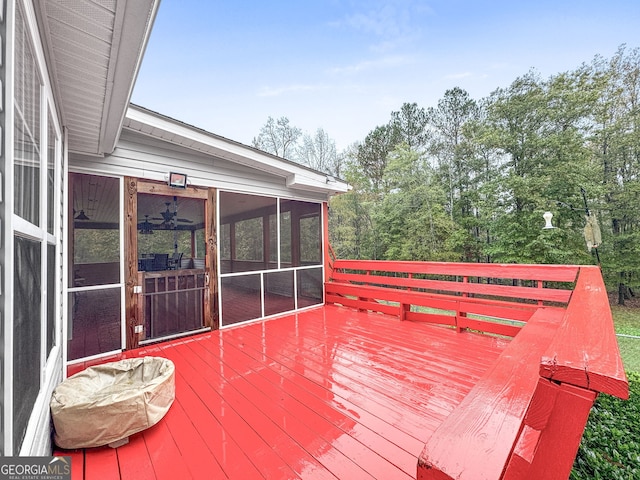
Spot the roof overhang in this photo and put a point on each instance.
(296, 176)
(94, 51)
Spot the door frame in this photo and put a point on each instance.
(133, 291)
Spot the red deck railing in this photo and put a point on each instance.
(526, 415)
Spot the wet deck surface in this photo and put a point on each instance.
(327, 393)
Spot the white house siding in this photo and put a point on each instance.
(141, 156)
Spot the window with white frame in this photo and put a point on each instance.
(36, 233)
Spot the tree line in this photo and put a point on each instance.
(469, 180)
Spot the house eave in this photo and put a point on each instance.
(93, 54)
(167, 129)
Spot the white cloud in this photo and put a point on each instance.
(388, 23)
(376, 64)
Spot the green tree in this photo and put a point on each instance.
(615, 141)
(459, 165)
(372, 154)
(536, 126)
(409, 125)
(411, 220)
(350, 224)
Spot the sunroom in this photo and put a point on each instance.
(180, 231)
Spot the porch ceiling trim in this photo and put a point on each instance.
(165, 128)
(94, 51)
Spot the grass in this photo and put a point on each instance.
(626, 320)
(610, 447)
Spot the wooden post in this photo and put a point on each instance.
(131, 261)
(211, 313)
(540, 285)
(549, 440)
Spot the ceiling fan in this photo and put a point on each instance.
(145, 227)
(169, 218)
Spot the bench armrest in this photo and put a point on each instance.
(476, 440)
(585, 351)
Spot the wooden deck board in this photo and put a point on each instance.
(327, 393)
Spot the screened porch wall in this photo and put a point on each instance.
(270, 256)
(145, 157)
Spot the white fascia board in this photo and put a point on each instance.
(296, 176)
(202, 141)
(325, 183)
(134, 21)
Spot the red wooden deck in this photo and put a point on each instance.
(327, 393)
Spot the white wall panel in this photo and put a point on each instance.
(141, 156)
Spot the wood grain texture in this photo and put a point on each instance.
(131, 261)
(159, 188)
(557, 273)
(585, 350)
(211, 308)
(552, 455)
(459, 287)
(476, 440)
(328, 393)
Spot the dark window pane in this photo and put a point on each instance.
(26, 333)
(310, 240)
(171, 226)
(310, 287)
(225, 248)
(273, 240)
(95, 229)
(285, 238)
(249, 244)
(94, 322)
(300, 233)
(278, 295)
(241, 299)
(247, 232)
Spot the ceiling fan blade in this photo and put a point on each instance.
(185, 220)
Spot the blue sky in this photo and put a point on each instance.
(345, 65)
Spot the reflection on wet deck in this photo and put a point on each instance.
(327, 393)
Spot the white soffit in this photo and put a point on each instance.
(94, 49)
(296, 176)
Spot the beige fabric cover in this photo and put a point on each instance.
(109, 402)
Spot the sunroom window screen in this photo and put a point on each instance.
(278, 240)
(27, 127)
(247, 232)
